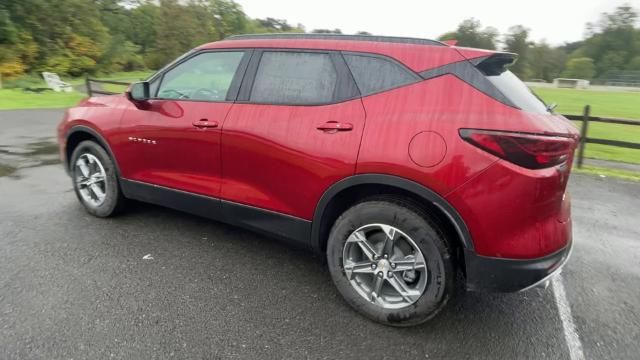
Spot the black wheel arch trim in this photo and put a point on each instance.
(101, 141)
(420, 190)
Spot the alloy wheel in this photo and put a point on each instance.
(385, 266)
(90, 179)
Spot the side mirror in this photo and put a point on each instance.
(138, 92)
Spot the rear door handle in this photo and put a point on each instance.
(204, 123)
(333, 126)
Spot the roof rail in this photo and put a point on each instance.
(374, 38)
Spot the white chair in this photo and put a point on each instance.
(54, 82)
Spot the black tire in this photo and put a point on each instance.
(114, 200)
(414, 222)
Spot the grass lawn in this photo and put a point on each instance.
(614, 132)
(19, 99)
(605, 104)
(616, 104)
(624, 174)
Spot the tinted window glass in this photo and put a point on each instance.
(373, 74)
(294, 78)
(516, 91)
(205, 77)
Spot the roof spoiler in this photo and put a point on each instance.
(495, 64)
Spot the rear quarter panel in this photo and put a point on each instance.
(510, 211)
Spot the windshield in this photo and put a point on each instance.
(516, 91)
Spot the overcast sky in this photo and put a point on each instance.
(557, 21)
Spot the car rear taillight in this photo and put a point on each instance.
(531, 151)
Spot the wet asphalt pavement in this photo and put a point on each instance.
(76, 287)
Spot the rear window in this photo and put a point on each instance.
(517, 92)
(495, 69)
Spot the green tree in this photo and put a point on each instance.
(546, 62)
(326, 31)
(517, 41)
(274, 25)
(228, 18)
(612, 60)
(613, 41)
(145, 20)
(179, 28)
(634, 64)
(580, 68)
(121, 55)
(61, 35)
(470, 33)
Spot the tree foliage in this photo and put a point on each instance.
(85, 36)
(517, 41)
(580, 68)
(612, 43)
(470, 33)
(545, 62)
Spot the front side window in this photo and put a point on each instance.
(295, 78)
(375, 74)
(204, 77)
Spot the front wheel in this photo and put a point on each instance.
(390, 262)
(95, 180)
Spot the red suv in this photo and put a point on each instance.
(406, 161)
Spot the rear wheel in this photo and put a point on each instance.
(390, 262)
(95, 179)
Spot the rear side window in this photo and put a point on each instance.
(295, 78)
(516, 91)
(375, 74)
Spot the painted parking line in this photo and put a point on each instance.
(564, 309)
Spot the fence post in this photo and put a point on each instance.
(583, 134)
(87, 84)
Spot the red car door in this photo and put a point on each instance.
(175, 140)
(294, 131)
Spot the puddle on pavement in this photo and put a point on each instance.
(33, 154)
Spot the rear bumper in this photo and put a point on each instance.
(510, 275)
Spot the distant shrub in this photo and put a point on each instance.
(24, 81)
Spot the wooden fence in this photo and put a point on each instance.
(91, 90)
(586, 118)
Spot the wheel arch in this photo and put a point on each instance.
(346, 192)
(79, 133)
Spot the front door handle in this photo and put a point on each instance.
(204, 123)
(334, 126)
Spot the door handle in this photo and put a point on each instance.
(204, 123)
(334, 126)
